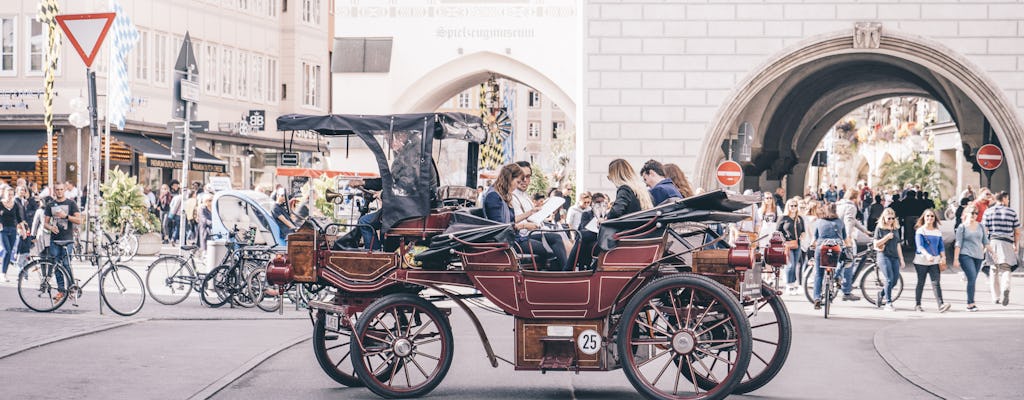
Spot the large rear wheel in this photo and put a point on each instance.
(38, 287)
(683, 328)
(772, 334)
(122, 290)
(406, 337)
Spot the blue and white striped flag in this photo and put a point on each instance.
(125, 35)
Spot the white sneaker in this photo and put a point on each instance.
(5, 280)
(890, 307)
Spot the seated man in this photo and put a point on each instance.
(369, 223)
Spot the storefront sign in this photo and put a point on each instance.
(257, 119)
(196, 166)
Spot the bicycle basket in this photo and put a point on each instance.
(829, 253)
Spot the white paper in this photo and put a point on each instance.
(592, 225)
(547, 209)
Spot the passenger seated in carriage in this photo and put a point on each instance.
(497, 208)
(630, 197)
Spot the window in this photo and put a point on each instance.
(533, 129)
(161, 59)
(556, 128)
(227, 64)
(310, 85)
(359, 54)
(141, 52)
(8, 38)
(256, 78)
(534, 101)
(241, 75)
(36, 46)
(464, 100)
(209, 54)
(271, 8)
(271, 80)
(311, 11)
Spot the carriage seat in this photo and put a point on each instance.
(474, 211)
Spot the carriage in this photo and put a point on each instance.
(666, 292)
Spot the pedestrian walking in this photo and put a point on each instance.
(12, 218)
(792, 228)
(1003, 229)
(929, 258)
(969, 251)
(889, 255)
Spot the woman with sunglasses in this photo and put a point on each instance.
(792, 228)
(890, 255)
(969, 250)
(930, 253)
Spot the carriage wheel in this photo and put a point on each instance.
(406, 346)
(333, 350)
(683, 323)
(772, 334)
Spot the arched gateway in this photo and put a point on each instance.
(794, 98)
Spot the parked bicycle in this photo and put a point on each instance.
(46, 283)
(171, 277)
(229, 281)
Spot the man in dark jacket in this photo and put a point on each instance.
(661, 188)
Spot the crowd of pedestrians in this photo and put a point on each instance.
(29, 211)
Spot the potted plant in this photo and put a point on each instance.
(124, 206)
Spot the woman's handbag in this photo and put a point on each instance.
(942, 265)
(792, 244)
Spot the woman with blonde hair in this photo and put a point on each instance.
(792, 228)
(631, 195)
(931, 252)
(890, 255)
(678, 178)
(969, 250)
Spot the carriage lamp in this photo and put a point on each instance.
(279, 272)
(775, 253)
(741, 256)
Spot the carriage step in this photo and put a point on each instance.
(329, 307)
(559, 354)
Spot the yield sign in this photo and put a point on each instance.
(989, 157)
(86, 32)
(729, 173)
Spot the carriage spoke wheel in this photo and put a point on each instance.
(771, 334)
(403, 346)
(333, 349)
(684, 337)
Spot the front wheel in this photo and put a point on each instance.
(772, 334)
(169, 280)
(332, 346)
(122, 290)
(827, 286)
(129, 246)
(404, 346)
(214, 291)
(38, 285)
(683, 328)
(872, 282)
(256, 284)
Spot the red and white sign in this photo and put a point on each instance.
(86, 32)
(729, 173)
(989, 157)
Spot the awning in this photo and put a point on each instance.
(19, 151)
(158, 153)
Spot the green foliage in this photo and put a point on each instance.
(320, 186)
(539, 184)
(916, 171)
(123, 204)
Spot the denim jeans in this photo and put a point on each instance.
(367, 225)
(970, 266)
(890, 267)
(819, 273)
(60, 255)
(792, 266)
(10, 238)
(928, 271)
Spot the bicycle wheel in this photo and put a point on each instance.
(129, 246)
(241, 294)
(38, 287)
(872, 281)
(169, 280)
(827, 286)
(215, 287)
(808, 280)
(257, 286)
(122, 290)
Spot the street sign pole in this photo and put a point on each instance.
(186, 161)
(92, 226)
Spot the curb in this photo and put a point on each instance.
(882, 348)
(226, 380)
(73, 335)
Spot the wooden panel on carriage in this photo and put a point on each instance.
(631, 254)
(361, 266)
(423, 227)
(563, 295)
(714, 263)
(498, 259)
(302, 254)
(555, 344)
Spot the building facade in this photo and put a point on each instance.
(254, 57)
(672, 81)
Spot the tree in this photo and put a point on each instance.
(539, 184)
(915, 171)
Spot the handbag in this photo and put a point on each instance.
(942, 265)
(795, 243)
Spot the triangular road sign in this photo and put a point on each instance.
(86, 32)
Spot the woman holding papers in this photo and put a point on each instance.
(497, 208)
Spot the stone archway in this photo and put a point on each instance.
(447, 80)
(916, 65)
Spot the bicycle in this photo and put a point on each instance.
(229, 281)
(171, 277)
(866, 276)
(46, 283)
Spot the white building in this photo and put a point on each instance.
(673, 80)
(269, 55)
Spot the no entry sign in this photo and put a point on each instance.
(989, 157)
(729, 173)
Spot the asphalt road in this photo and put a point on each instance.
(188, 351)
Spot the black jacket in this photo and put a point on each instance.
(626, 202)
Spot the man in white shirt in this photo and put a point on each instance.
(521, 202)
